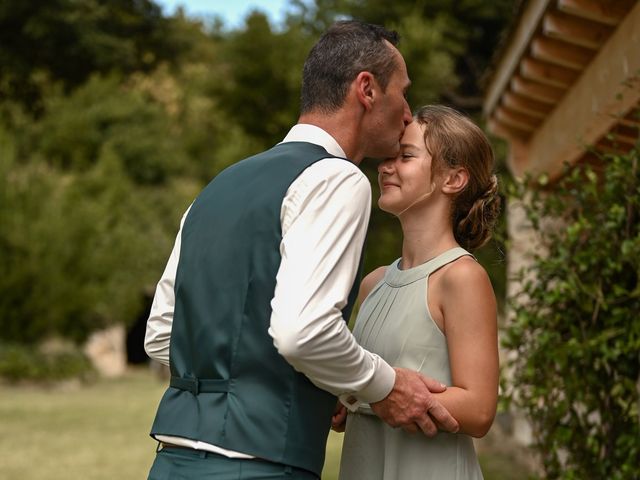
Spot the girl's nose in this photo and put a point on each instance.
(386, 166)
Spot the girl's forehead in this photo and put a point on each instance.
(414, 135)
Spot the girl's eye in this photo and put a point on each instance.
(407, 155)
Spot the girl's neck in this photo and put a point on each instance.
(425, 237)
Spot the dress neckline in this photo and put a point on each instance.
(395, 277)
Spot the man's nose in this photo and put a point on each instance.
(408, 118)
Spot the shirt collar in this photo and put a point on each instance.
(304, 132)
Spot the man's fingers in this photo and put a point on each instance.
(427, 426)
(411, 406)
(339, 418)
(411, 428)
(444, 418)
(434, 386)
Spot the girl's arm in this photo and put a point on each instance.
(465, 306)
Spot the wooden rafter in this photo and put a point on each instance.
(591, 158)
(600, 99)
(516, 120)
(629, 122)
(535, 91)
(525, 105)
(546, 73)
(611, 148)
(576, 31)
(506, 131)
(517, 45)
(634, 114)
(626, 131)
(570, 78)
(624, 139)
(617, 139)
(560, 53)
(609, 12)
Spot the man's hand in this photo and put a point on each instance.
(411, 406)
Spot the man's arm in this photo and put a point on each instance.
(324, 221)
(158, 333)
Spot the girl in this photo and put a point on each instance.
(433, 310)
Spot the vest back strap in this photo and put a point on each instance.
(198, 385)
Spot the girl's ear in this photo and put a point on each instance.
(456, 180)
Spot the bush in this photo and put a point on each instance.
(104, 114)
(20, 362)
(77, 250)
(575, 334)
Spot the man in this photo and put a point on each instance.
(262, 275)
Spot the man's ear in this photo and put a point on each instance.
(366, 89)
(456, 180)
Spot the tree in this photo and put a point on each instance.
(264, 68)
(87, 198)
(66, 41)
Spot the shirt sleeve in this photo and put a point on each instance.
(158, 334)
(324, 220)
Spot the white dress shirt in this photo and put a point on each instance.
(324, 219)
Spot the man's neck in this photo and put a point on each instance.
(342, 128)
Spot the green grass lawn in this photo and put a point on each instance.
(100, 431)
(93, 432)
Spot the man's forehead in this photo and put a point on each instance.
(399, 74)
(401, 64)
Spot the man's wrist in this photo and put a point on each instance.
(378, 388)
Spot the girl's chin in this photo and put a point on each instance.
(386, 208)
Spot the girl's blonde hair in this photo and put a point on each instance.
(453, 140)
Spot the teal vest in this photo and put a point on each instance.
(229, 385)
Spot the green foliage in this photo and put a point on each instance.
(18, 362)
(265, 70)
(68, 40)
(78, 249)
(575, 334)
(430, 57)
(103, 114)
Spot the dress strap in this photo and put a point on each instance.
(446, 257)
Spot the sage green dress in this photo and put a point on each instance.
(395, 323)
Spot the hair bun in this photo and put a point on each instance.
(475, 229)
